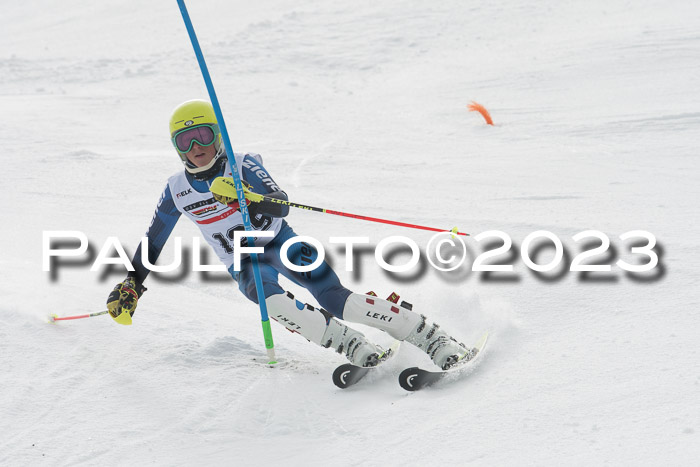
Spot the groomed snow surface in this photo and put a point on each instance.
(358, 107)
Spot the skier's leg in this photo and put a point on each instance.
(322, 282)
(398, 321)
(316, 325)
(246, 279)
(320, 327)
(402, 323)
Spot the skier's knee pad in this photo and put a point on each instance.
(298, 317)
(319, 326)
(398, 321)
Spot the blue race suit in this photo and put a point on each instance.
(323, 283)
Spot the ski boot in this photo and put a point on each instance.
(319, 326)
(443, 350)
(358, 350)
(402, 323)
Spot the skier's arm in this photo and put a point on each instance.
(162, 225)
(122, 301)
(261, 182)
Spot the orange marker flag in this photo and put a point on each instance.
(476, 107)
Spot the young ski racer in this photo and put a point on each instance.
(197, 140)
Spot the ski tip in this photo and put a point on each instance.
(407, 378)
(340, 376)
(348, 374)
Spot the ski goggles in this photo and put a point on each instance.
(204, 135)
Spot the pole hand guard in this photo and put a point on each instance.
(224, 191)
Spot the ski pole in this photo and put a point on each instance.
(359, 216)
(89, 315)
(224, 187)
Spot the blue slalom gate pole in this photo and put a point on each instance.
(267, 332)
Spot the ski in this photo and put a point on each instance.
(347, 375)
(414, 379)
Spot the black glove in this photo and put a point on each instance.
(122, 301)
(270, 208)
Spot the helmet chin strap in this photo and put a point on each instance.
(191, 168)
(212, 168)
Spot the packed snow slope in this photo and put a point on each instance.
(358, 107)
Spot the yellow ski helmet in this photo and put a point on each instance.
(195, 121)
